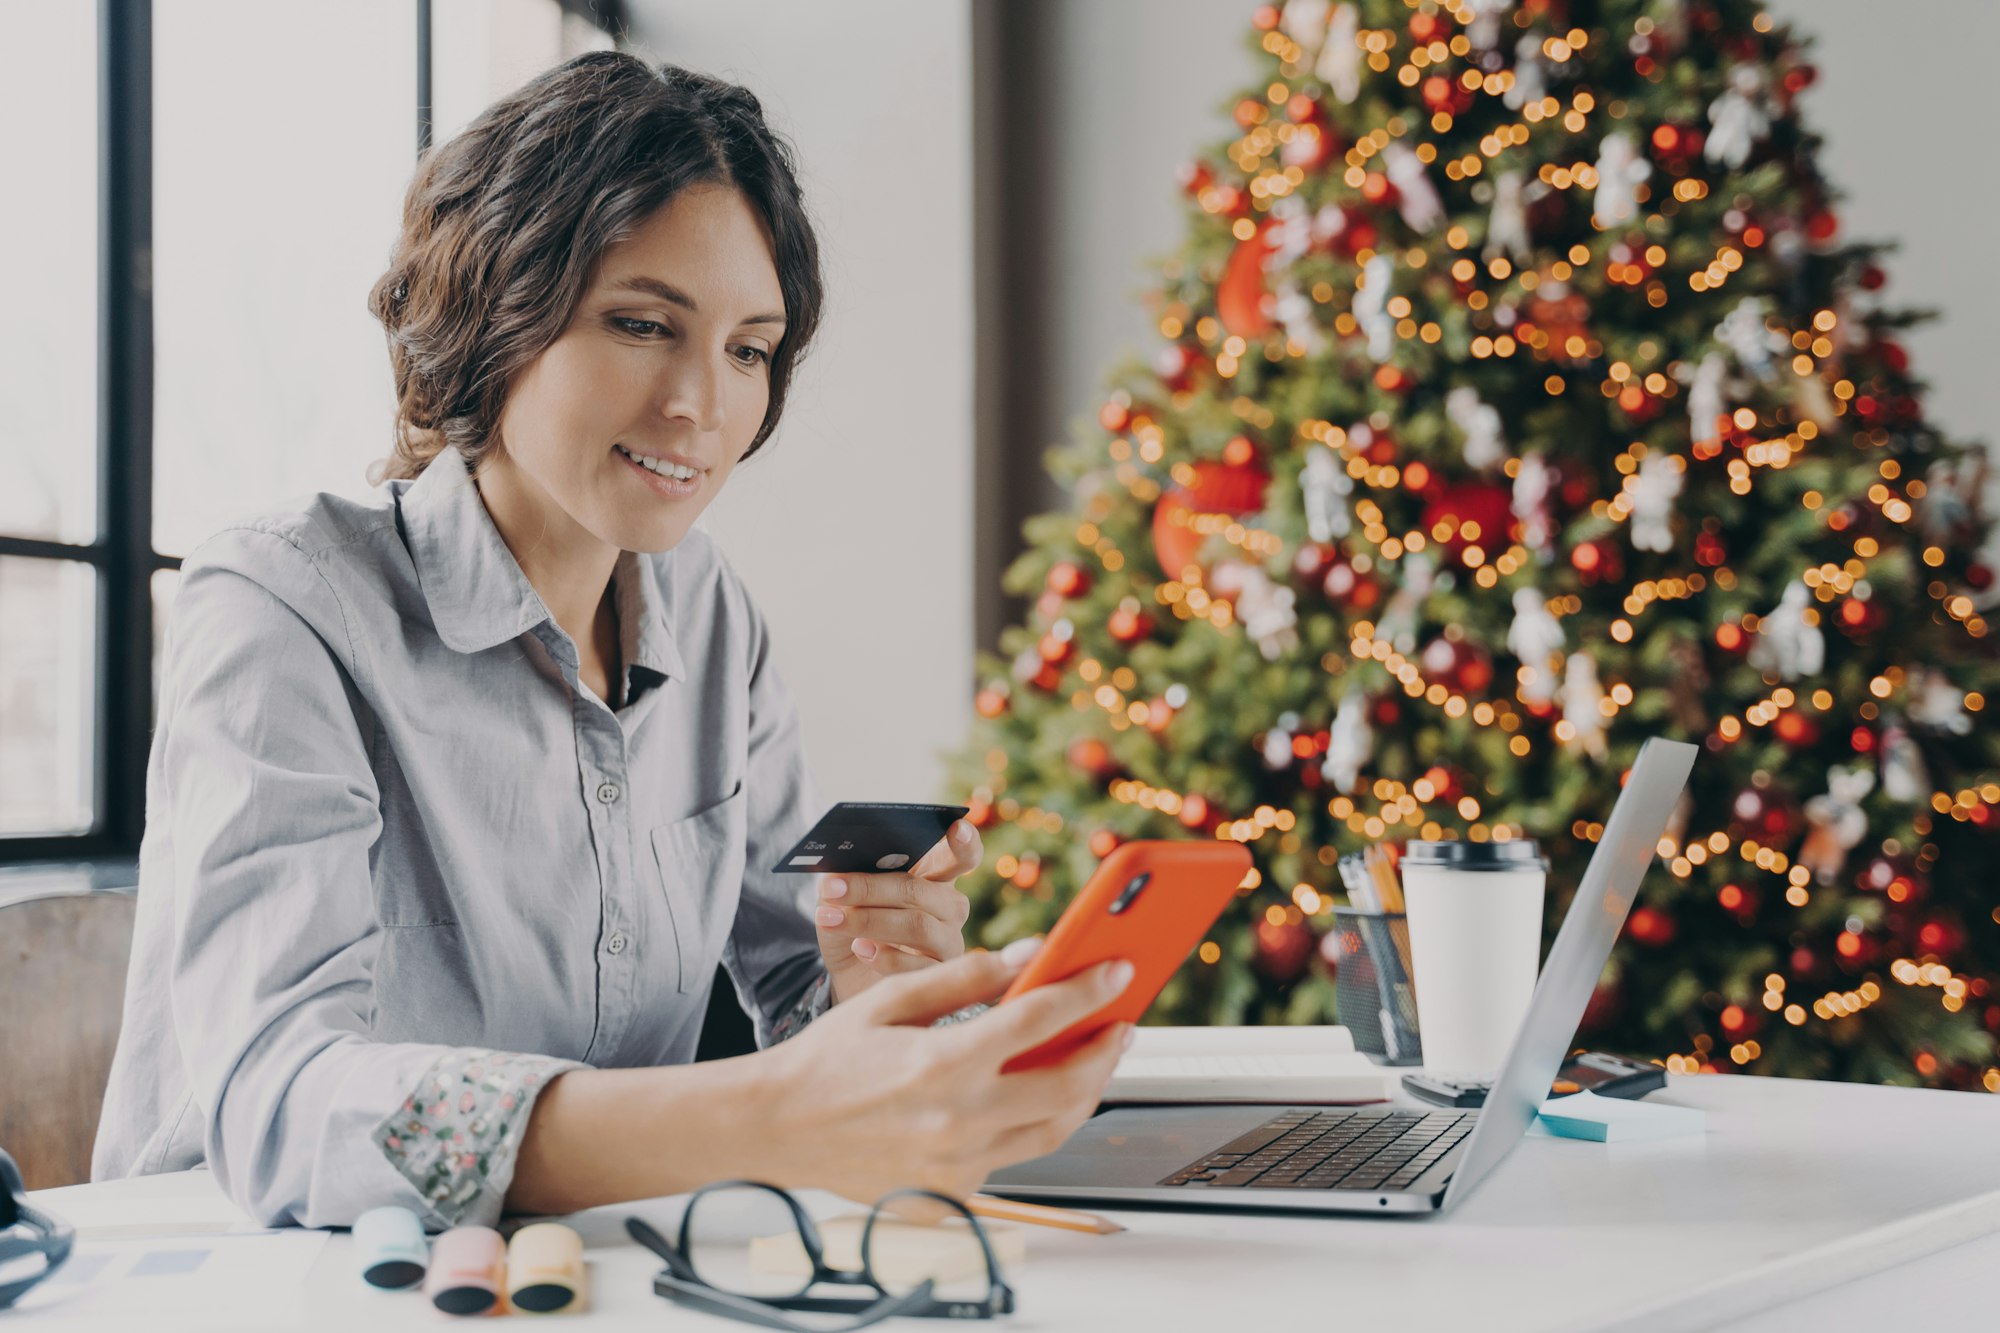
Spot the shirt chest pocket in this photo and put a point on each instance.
(700, 860)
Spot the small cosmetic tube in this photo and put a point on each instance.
(389, 1243)
(545, 1268)
(468, 1270)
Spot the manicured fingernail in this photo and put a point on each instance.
(1020, 951)
(866, 949)
(1125, 1042)
(1118, 976)
(830, 916)
(834, 888)
(961, 833)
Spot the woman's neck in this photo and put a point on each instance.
(569, 568)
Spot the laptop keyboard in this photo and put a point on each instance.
(1318, 1150)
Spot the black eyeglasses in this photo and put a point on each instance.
(32, 1244)
(712, 1269)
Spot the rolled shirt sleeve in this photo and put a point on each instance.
(272, 810)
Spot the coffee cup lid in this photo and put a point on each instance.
(1459, 854)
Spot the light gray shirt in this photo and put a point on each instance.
(391, 837)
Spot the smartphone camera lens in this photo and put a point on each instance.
(1129, 892)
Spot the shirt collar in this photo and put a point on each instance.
(478, 595)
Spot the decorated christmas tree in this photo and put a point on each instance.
(1519, 398)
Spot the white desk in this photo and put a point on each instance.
(1794, 1211)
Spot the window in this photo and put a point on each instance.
(247, 199)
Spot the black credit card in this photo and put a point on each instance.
(869, 838)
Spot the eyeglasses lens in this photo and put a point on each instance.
(745, 1240)
(938, 1246)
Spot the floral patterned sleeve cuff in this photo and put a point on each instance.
(815, 1000)
(455, 1137)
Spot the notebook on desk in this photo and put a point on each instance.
(1316, 1064)
(1376, 1159)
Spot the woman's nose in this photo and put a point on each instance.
(695, 392)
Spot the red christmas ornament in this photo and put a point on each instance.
(1217, 488)
(1175, 365)
(1740, 1021)
(1463, 668)
(1092, 756)
(1607, 1003)
(990, 702)
(1284, 949)
(1386, 712)
(1129, 626)
(1102, 843)
(1822, 226)
(1764, 813)
(1348, 587)
(1194, 177)
(1796, 729)
(1068, 579)
(1650, 926)
(1872, 277)
(1477, 513)
(1241, 296)
(1194, 811)
(1860, 616)
(1599, 561)
(1893, 878)
(1055, 650)
(1116, 414)
(980, 813)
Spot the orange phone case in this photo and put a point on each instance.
(1186, 887)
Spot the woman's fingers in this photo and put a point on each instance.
(1027, 1021)
(888, 925)
(932, 992)
(1043, 1107)
(957, 853)
(846, 893)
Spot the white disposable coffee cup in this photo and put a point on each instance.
(1475, 916)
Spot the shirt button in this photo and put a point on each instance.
(608, 792)
(616, 944)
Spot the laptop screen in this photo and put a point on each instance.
(1589, 928)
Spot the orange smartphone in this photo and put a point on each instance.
(1149, 903)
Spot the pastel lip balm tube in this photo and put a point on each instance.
(468, 1269)
(545, 1268)
(390, 1245)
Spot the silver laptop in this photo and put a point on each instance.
(1375, 1159)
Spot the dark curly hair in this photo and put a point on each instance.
(503, 227)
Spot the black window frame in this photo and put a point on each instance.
(123, 553)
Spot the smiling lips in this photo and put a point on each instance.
(661, 466)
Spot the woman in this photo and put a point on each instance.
(460, 791)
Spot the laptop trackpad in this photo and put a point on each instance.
(1135, 1147)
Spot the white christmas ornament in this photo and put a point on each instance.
(1339, 64)
(1754, 344)
(1737, 119)
(1290, 234)
(1652, 492)
(1484, 30)
(1950, 507)
(1706, 403)
(1583, 706)
(1788, 645)
(1349, 742)
(1836, 821)
(1485, 447)
(1299, 315)
(1620, 171)
(1417, 198)
(1533, 481)
(1326, 486)
(1536, 640)
(1531, 78)
(1905, 780)
(1278, 742)
(1264, 607)
(1371, 306)
(1399, 619)
(1507, 224)
(1936, 704)
(1304, 21)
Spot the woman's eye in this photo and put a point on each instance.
(756, 354)
(638, 326)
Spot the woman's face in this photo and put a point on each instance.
(668, 360)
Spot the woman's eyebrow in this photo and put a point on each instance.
(673, 295)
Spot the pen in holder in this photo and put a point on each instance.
(1372, 988)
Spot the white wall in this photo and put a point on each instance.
(1903, 101)
(853, 525)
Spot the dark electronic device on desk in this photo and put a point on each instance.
(1594, 1071)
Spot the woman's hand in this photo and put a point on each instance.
(871, 1098)
(873, 926)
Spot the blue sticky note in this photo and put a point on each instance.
(1585, 1115)
(156, 1263)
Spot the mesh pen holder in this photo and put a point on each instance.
(1373, 989)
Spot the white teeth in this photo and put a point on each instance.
(660, 466)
